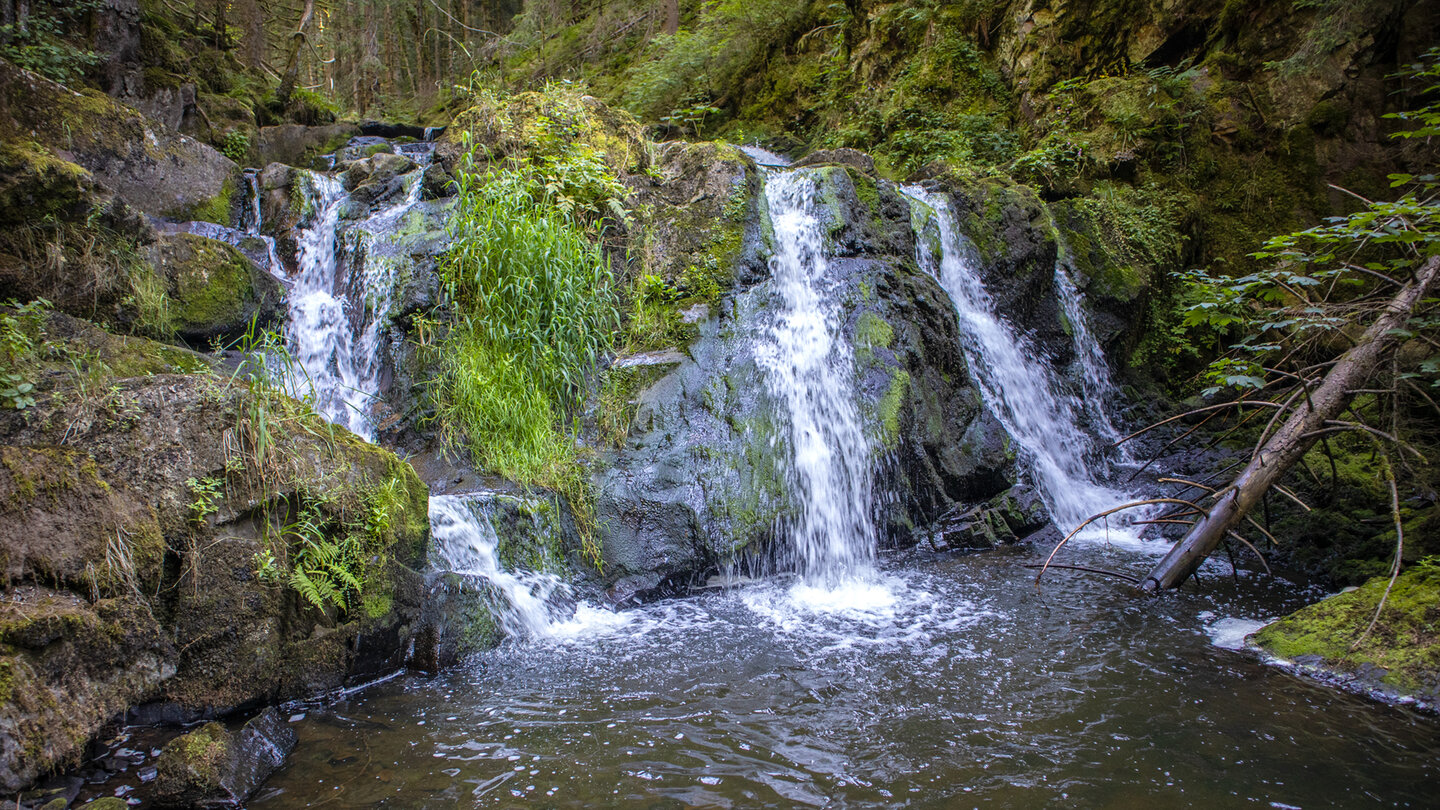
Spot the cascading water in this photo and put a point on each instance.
(320, 331)
(1094, 372)
(810, 369)
(1017, 384)
(336, 317)
(466, 544)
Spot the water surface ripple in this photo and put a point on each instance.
(945, 682)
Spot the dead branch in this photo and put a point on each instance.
(1126, 577)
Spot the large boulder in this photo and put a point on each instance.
(66, 238)
(195, 540)
(533, 124)
(299, 145)
(216, 292)
(701, 476)
(154, 169)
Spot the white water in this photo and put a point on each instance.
(764, 157)
(1019, 387)
(809, 368)
(467, 544)
(1095, 379)
(319, 329)
(336, 322)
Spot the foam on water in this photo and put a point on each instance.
(530, 603)
(1230, 632)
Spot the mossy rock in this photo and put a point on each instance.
(67, 239)
(211, 766)
(215, 291)
(158, 171)
(1401, 654)
(101, 489)
(534, 124)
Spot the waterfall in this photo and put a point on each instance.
(1094, 372)
(809, 367)
(1018, 385)
(319, 330)
(466, 544)
(337, 316)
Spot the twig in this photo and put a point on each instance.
(1125, 577)
(1106, 513)
(1399, 545)
(1239, 402)
(1256, 551)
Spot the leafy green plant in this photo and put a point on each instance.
(324, 571)
(18, 392)
(44, 39)
(236, 145)
(205, 496)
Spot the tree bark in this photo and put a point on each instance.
(1293, 440)
(672, 16)
(292, 65)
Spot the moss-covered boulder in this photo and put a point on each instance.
(66, 238)
(215, 291)
(213, 767)
(184, 537)
(700, 477)
(690, 219)
(299, 145)
(152, 168)
(1399, 657)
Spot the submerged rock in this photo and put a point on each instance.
(211, 767)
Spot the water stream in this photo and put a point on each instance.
(1019, 386)
(339, 301)
(811, 370)
(863, 681)
(527, 604)
(971, 688)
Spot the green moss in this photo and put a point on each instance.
(1405, 642)
(377, 606)
(872, 331)
(194, 759)
(217, 209)
(212, 286)
(890, 407)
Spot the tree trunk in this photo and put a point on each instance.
(1295, 438)
(292, 65)
(672, 16)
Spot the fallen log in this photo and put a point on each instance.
(1305, 426)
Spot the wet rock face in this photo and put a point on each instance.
(146, 522)
(701, 480)
(212, 767)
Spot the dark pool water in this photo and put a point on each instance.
(946, 682)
